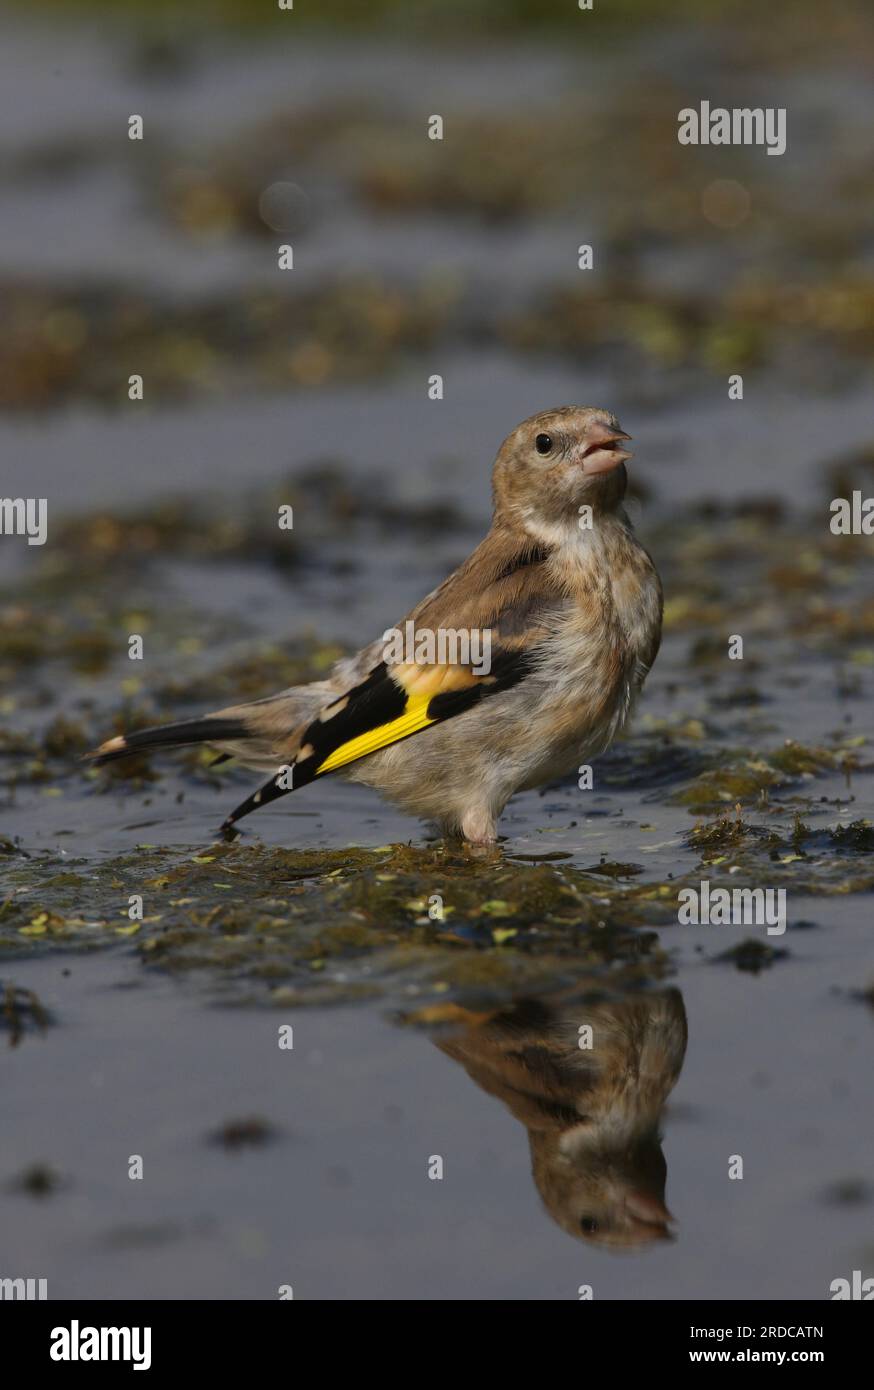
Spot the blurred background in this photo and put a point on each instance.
(309, 387)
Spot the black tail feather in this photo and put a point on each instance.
(169, 736)
(270, 791)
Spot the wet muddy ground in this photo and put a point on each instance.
(309, 1166)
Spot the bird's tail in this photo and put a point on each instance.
(261, 734)
(211, 729)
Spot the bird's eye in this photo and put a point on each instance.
(588, 1225)
(543, 443)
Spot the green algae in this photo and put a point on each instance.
(351, 918)
(752, 956)
(287, 927)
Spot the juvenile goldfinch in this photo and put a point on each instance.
(592, 1114)
(562, 597)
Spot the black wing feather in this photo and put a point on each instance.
(378, 700)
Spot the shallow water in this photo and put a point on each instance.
(339, 1204)
(757, 773)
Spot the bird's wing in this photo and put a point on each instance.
(504, 590)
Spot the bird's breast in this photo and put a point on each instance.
(601, 646)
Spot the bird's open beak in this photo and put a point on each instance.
(648, 1216)
(602, 453)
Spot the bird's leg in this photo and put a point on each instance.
(478, 826)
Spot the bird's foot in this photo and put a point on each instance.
(478, 826)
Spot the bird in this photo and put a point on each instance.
(561, 609)
(591, 1106)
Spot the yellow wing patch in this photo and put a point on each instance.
(414, 718)
(433, 679)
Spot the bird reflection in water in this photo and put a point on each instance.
(592, 1113)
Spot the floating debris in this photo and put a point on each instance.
(20, 1012)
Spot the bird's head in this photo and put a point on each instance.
(604, 1194)
(555, 463)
